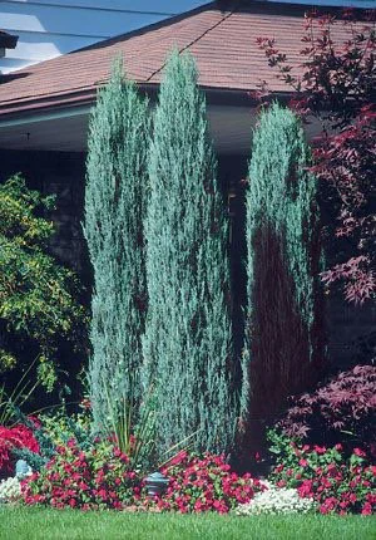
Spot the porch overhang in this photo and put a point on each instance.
(64, 128)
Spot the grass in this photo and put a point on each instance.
(19, 523)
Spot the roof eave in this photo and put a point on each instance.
(87, 97)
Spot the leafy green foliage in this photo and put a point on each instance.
(114, 211)
(133, 430)
(283, 265)
(39, 309)
(12, 401)
(187, 344)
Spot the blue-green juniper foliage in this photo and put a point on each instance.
(187, 345)
(282, 266)
(115, 204)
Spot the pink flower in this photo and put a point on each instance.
(358, 452)
(367, 509)
(305, 490)
(319, 449)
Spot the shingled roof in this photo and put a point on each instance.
(223, 42)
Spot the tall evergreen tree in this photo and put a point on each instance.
(282, 349)
(114, 210)
(187, 344)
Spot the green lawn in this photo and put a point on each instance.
(33, 524)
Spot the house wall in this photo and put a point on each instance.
(62, 173)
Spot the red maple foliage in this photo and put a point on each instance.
(341, 411)
(337, 87)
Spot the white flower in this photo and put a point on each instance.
(276, 501)
(10, 490)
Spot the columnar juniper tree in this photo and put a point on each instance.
(114, 211)
(187, 344)
(281, 350)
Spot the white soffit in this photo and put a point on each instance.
(66, 131)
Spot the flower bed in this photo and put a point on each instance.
(275, 501)
(93, 474)
(93, 479)
(205, 483)
(101, 477)
(338, 484)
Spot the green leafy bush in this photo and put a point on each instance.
(39, 307)
(53, 429)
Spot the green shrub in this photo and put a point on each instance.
(39, 306)
(188, 343)
(282, 348)
(114, 209)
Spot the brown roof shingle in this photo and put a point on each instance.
(222, 41)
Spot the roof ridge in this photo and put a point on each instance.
(211, 4)
(196, 40)
(222, 40)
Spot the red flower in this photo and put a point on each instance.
(319, 449)
(367, 509)
(281, 483)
